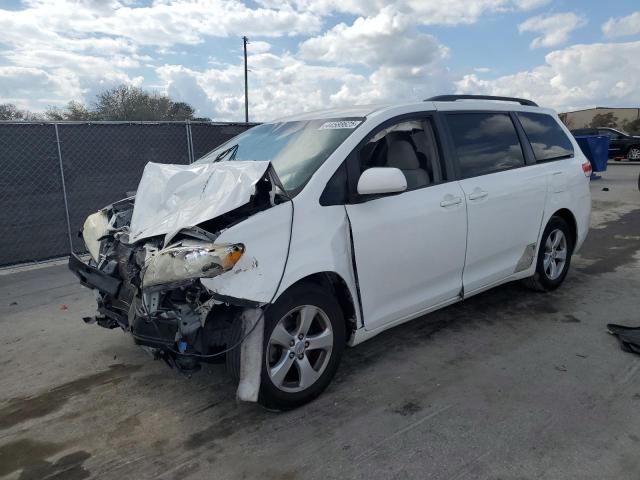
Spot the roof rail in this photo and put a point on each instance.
(453, 98)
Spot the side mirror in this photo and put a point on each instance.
(378, 180)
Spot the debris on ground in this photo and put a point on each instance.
(629, 337)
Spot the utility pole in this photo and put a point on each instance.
(245, 40)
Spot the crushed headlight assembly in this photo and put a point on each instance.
(94, 228)
(186, 261)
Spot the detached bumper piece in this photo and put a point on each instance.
(629, 337)
(92, 277)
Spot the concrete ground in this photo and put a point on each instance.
(510, 384)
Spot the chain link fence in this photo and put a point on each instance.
(52, 175)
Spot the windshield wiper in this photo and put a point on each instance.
(221, 155)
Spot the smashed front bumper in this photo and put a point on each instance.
(176, 323)
(182, 337)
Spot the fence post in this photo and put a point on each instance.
(64, 188)
(188, 132)
(193, 154)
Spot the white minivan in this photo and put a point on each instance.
(306, 234)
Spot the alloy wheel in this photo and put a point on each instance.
(555, 254)
(299, 348)
(634, 154)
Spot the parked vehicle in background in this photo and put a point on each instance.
(332, 227)
(621, 145)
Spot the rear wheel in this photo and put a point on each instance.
(554, 256)
(634, 154)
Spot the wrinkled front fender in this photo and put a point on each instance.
(265, 236)
(321, 242)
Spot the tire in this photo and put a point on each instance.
(633, 154)
(326, 329)
(547, 277)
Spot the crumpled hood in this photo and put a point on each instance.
(172, 197)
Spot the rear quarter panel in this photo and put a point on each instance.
(568, 188)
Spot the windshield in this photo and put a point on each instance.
(296, 149)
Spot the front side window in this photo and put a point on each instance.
(485, 143)
(295, 149)
(612, 134)
(410, 146)
(548, 140)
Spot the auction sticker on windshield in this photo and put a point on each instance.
(340, 124)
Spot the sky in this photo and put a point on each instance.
(314, 54)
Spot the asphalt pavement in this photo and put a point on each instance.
(510, 384)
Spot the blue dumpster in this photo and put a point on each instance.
(596, 149)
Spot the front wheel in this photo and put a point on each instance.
(554, 256)
(304, 340)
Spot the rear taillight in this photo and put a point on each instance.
(587, 169)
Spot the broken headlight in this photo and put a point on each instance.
(95, 226)
(185, 261)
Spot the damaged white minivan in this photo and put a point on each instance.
(301, 236)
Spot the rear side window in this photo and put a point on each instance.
(485, 143)
(548, 140)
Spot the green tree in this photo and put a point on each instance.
(181, 111)
(8, 111)
(126, 102)
(632, 127)
(123, 102)
(73, 111)
(604, 120)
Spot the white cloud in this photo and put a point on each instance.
(258, 46)
(426, 12)
(622, 26)
(402, 64)
(386, 39)
(554, 29)
(577, 76)
(163, 23)
(279, 85)
(85, 46)
(283, 85)
(17, 85)
(530, 4)
(57, 50)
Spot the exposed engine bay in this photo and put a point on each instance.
(148, 257)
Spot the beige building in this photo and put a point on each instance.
(583, 118)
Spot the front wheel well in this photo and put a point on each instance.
(568, 217)
(335, 284)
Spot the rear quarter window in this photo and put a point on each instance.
(485, 143)
(547, 139)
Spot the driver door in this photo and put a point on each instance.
(409, 247)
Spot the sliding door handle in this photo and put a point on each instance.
(450, 201)
(477, 194)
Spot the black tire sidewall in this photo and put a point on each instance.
(553, 224)
(303, 294)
